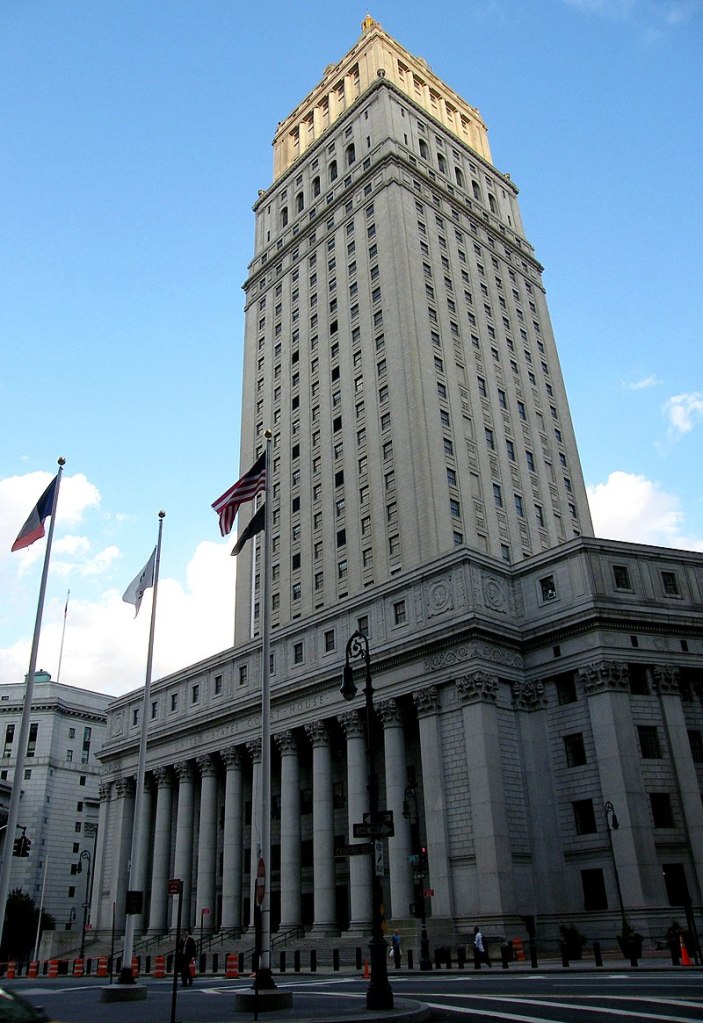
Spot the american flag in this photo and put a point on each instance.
(245, 489)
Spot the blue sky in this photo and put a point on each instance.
(133, 140)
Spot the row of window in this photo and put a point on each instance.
(648, 738)
(585, 814)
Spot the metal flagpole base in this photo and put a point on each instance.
(379, 994)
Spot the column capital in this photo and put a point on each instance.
(125, 787)
(477, 687)
(389, 714)
(528, 695)
(426, 701)
(254, 750)
(605, 676)
(286, 742)
(666, 679)
(317, 733)
(184, 771)
(231, 756)
(206, 765)
(162, 777)
(352, 724)
(104, 790)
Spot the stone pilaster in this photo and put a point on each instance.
(400, 845)
(360, 876)
(158, 906)
(291, 879)
(323, 830)
(183, 860)
(232, 843)
(207, 843)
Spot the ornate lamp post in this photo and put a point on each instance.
(612, 824)
(85, 855)
(379, 994)
(410, 810)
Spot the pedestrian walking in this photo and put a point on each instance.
(395, 949)
(480, 950)
(185, 956)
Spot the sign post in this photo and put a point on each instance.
(175, 887)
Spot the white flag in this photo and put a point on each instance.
(137, 588)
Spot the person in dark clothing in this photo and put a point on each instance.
(186, 954)
(395, 949)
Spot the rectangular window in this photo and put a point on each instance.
(695, 739)
(649, 742)
(297, 653)
(399, 613)
(670, 584)
(574, 749)
(195, 693)
(584, 816)
(32, 741)
(497, 495)
(593, 884)
(547, 587)
(566, 689)
(174, 701)
(662, 813)
(621, 576)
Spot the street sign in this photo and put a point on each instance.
(373, 830)
(260, 881)
(174, 886)
(379, 817)
(428, 893)
(379, 862)
(413, 860)
(359, 849)
(418, 875)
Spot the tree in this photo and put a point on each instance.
(20, 931)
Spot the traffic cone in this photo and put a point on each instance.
(366, 969)
(685, 958)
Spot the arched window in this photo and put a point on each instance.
(477, 190)
(459, 177)
(351, 154)
(284, 216)
(441, 163)
(299, 203)
(333, 170)
(424, 151)
(316, 186)
(492, 203)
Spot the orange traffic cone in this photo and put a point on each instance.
(685, 957)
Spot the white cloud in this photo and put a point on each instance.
(684, 410)
(631, 507)
(671, 13)
(641, 385)
(19, 495)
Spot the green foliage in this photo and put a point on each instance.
(20, 930)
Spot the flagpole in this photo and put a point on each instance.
(134, 878)
(63, 636)
(13, 812)
(264, 977)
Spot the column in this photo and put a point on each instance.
(142, 872)
(254, 749)
(232, 845)
(360, 867)
(541, 887)
(207, 844)
(666, 680)
(183, 859)
(291, 879)
(478, 692)
(618, 758)
(427, 705)
(400, 845)
(101, 913)
(158, 905)
(323, 830)
(122, 841)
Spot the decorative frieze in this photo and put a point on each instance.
(473, 651)
(495, 593)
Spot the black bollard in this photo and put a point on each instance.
(533, 954)
(564, 954)
(335, 959)
(282, 962)
(313, 960)
(504, 956)
(410, 959)
(596, 953)
(358, 958)
(461, 957)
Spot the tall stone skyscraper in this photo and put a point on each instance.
(530, 681)
(398, 343)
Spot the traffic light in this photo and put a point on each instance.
(17, 847)
(25, 846)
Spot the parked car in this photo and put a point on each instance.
(14, 1009)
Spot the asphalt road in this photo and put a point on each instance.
(605, 996)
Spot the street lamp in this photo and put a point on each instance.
(379, 994)
(410, 811)
(85, 855)
(612, 824)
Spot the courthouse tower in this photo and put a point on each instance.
(398, 344)
(426, 491)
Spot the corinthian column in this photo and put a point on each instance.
(357, 806)
(207, 843)
(183, 862)
(427, 706)
(323, 830)
(400, 846)
(162, 852)
(232, 840)
(123, 841)
(291, 884)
